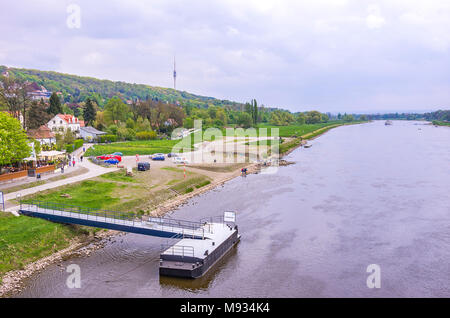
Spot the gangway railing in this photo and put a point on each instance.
(177, 250)
(181, 227)
(79, 212)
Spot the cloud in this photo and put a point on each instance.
(325, 54)
(374, 20)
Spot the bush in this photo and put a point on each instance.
(146, 135)
(189, 190)
(110, 138)
(69, 148)
(126, 133)
(198, 186)
(78, 143)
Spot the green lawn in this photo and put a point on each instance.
(141, 147)
(297, 130)
(24, 240)
(88, 194)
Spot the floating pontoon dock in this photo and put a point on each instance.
(201, 244)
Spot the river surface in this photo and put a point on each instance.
(363, 194)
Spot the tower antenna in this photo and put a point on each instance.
(174, 73)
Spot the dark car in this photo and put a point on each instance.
(143, 166)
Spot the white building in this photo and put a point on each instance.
(63, 122)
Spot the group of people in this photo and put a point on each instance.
(72, 161)
(244, 172)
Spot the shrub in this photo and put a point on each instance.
(78, 143)
(189, 190)
(111, 138)
(198, 186)
(146, 135)
(126, 133)
(69, 148)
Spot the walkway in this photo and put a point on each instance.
(94, 171)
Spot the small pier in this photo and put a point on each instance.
(200, 244)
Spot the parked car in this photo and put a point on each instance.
(107, 157)
(117, 154)
(143, 166)
(172, 155)
(112, 161)
(158, 156)
(180, 160)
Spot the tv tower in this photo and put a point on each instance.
(174, 74)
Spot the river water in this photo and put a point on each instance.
(363, 194)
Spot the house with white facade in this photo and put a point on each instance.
(43, 134)
(63, 122)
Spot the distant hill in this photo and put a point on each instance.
(76, 89)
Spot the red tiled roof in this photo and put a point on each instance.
(42, 132)
(68, 119)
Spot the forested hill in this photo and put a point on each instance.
(77, 88)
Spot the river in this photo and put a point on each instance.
(363, 194)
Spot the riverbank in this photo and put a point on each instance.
(287, 147)
(174, 193)
(441, 123)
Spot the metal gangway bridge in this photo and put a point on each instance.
(153, 226)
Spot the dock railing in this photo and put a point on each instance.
(181, 227)
(177, 250)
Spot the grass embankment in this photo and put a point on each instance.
(441, 123)
(128, 195)
(141, 147)
(24, 240)
(298, 130)
(310, 134)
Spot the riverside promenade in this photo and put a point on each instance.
(93, 171)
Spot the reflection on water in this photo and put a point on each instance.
(363, 194)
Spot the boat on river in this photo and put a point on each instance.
(388, 123)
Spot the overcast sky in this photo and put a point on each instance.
(329, 55)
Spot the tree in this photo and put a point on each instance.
(116, 111)
(14, 97)
(37, 115)
(255, 111)
(348, 118)
(68, 137)
(300, 119)
(89, 113)
(13, 140)
(313, 117)
(55, 107)
(245, 120)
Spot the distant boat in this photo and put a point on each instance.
(388, 123)
(308, 146)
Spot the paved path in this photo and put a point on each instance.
(94, 171)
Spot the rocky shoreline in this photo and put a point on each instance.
(13, 281)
